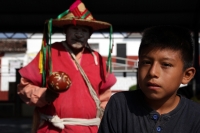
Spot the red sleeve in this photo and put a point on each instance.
(108, 79)
(31, 71)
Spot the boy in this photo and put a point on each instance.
(165, 61)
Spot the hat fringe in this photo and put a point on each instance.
(45, 53)
(63, 14)
(109, 59)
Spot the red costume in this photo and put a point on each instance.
(76, 110)
(77, 101)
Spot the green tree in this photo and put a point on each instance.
(133, 87)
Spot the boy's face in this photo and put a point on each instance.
(160, 73)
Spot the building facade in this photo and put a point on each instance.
(16, 53)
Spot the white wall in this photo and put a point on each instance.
(132, 47)
(8, 72)
(124, 83)
(34, 45)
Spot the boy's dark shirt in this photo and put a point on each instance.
(127, 112)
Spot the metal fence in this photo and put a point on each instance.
(129, 65)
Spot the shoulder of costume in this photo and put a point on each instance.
(56, 43)
(92, 50)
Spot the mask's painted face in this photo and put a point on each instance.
(77, 36)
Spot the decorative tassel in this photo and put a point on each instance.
(41, 61)
(109, 61)
(49, 47)
(42, 57)
(46, 47)
(63, 14)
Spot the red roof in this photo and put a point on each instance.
(13, 45)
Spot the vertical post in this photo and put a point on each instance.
(124, 74)
(1, 55)
(17, 98)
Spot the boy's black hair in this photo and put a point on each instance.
(169, 37)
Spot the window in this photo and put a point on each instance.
(13, 65)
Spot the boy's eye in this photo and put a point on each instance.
(167, 64)
(145, 62)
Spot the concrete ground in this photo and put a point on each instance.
(15, 125)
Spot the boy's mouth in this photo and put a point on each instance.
(152, 85)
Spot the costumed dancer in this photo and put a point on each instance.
(68, 82)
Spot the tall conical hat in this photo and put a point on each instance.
(78, 14)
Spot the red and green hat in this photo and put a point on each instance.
(77, 14)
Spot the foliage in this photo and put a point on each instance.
(133, 87)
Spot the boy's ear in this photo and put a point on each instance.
(188, 75)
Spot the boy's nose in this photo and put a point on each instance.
(154, 70)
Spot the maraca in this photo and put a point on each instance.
(59, 81)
